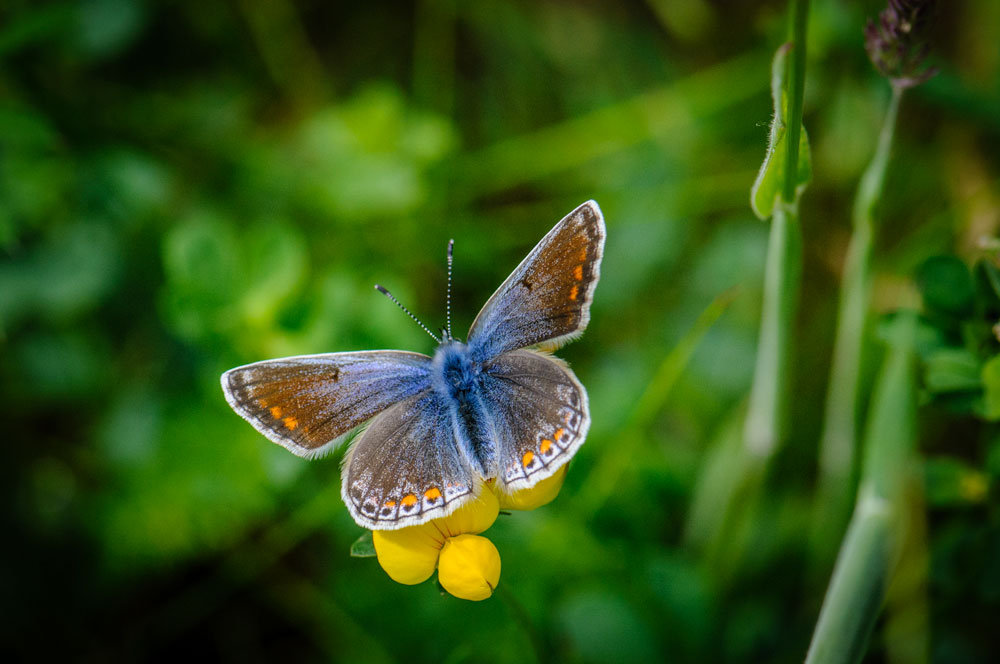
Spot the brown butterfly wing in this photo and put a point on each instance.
(306, 403)
(547, 297)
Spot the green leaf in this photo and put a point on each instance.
(950, 482)
(766, 190)
(991, 388)
(952, 370)
(364, 546)
(946, 285)
(277, 260)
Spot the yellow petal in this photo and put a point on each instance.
(408, 555)
(474, 517)
(469, 567)
(542, 493)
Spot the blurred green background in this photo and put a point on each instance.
(190, 186)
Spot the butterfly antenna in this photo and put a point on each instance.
(399, 304)
(451, 246)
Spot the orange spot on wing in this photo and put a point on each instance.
(578, 272)
(291, 422)
(390, 503)
(545, 446)
(433, 493)
(559, 433)
(276, 412)
(528, 458)
(409, 501)
(573, 291)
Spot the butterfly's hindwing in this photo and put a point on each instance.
(406, 468)
(540, 415)
(306, 403)
(547, 297)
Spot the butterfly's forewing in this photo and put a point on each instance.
(539, 412)
(547, 297)
(406, 468)
(305, 403)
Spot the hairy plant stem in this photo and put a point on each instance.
(766, 414)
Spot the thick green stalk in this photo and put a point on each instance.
(838, 441)
(769, 393)
(856, 590)
(767, 409)
(864, 567)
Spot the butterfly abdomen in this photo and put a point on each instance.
(455, 375)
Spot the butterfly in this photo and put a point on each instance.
(495, 407)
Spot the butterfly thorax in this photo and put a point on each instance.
(455, 376)
(453, 370)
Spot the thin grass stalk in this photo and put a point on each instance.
(605, 479)
(864, 566)
(796, 90)
(840, 423)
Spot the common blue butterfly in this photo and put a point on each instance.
(497, 407)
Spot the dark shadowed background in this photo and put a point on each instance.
(190, 186)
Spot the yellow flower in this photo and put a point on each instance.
(469, 567)
(542, 493)
(410, 555)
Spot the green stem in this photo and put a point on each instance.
(838, 441)
(864, 566)
(765, 421)
(768, 396)
(856, 590)
(796, 87)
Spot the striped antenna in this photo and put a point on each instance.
(451, 246)
(389, 295)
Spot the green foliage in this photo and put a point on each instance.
(363, 547)
(186, 187)
(768, 189)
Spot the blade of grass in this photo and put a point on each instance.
(671, 110)
(840, 423)
(864, 566)
(604, 479)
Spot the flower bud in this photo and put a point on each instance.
(469, 567)
(897, 42)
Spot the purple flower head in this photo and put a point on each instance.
(897, 43)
